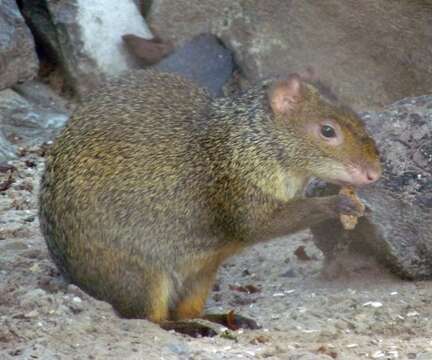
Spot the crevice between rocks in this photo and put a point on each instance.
(51, 71)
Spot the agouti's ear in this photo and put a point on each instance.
(285, 94)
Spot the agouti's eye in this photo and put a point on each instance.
(327, 131)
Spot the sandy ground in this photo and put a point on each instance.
(365, 313)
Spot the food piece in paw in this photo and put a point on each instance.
(349, 222)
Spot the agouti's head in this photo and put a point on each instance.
(331, 141)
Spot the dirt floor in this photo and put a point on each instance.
(365, 313)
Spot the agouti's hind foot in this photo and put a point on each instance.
(189, 327)
(232, 321)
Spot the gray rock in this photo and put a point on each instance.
(202, 59)
(356, 47)
(398, 228)
(84, 38)
(28, 121)
(42, 95)
(18, 60)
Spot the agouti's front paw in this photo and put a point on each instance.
(346, 205)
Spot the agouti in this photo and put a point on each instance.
(153, 184)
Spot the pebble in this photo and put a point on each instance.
(377, 355)
(35, 268)
(412, 313)
(374, 304)
(32, 314)
(278, 294)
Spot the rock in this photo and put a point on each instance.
(148, 51)
(31, 120)
(398, 228)
(18, 60)
(202, 59)
(84, 37)
(144, 6)
(356, 47)
(42, 95)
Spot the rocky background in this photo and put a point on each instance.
(315, 300)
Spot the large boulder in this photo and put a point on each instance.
(85, 37)
(18, 60)
(203, 60)
(397, 230)
(371, 53)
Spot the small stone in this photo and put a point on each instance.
(374, 304)
(35, 268)
(32, 314)
(377, 355)
(278, 294)
(30, 218)
(412, 313)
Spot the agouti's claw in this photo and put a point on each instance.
(191, 328)
(242, 322)
(233, 321)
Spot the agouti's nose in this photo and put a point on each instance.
(364, 175)
(372, 175)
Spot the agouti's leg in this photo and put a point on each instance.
(158, 311)
(143, 296)
(192, 304)
(300, 214)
